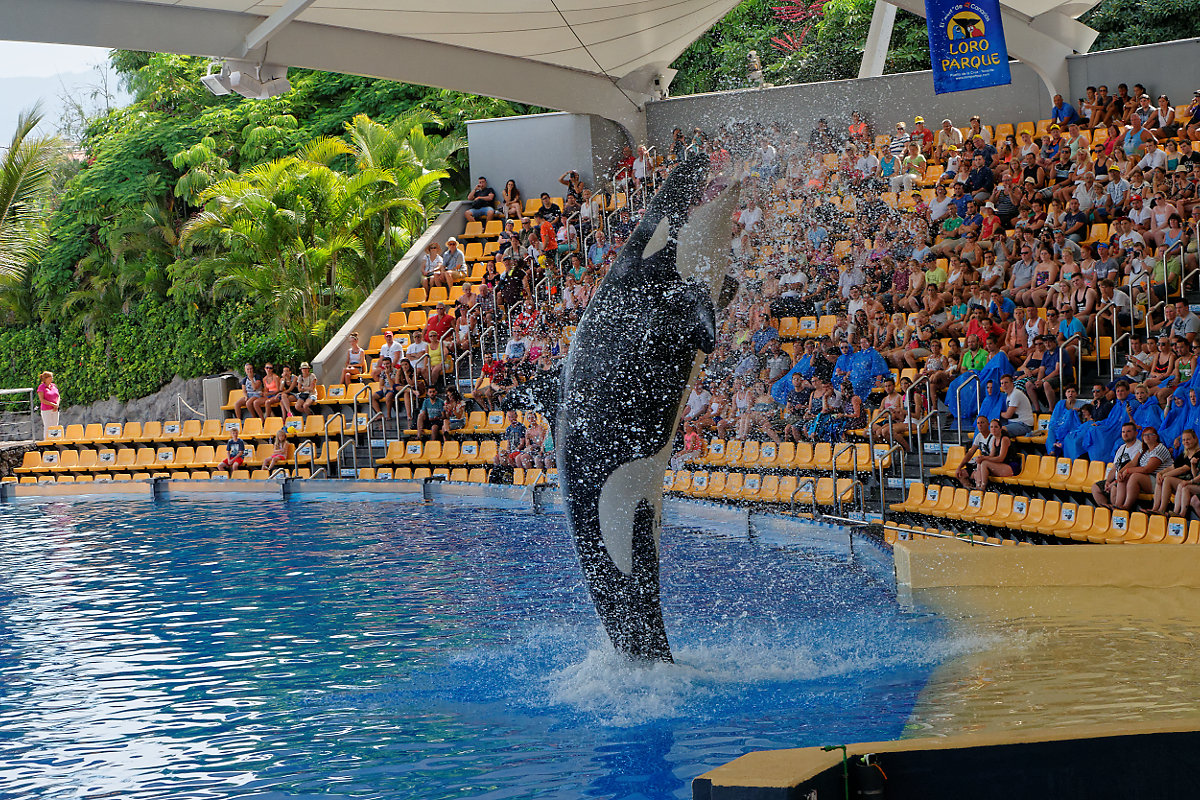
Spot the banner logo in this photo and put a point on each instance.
(966, 44)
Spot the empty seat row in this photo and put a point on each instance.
(196, 475)
(194, 430)
(459, 475)
(737, 454)
(757, 488)
(415, 451)
(159, 459)
(1081, 523)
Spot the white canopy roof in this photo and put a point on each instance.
(592, 56)
(604, 57)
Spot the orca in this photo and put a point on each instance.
(637, 349)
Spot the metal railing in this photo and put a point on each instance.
(16, 404)
(903, 484)
(1078, 339)
(931, 412)
(329, 421)
(337, 458)
(969, 538)
(807, 481)
(972, 378)
(837, 452)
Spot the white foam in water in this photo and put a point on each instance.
(616, 692)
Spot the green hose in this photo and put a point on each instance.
(845, 766)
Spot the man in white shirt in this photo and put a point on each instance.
(1087, 193)
(1128, 453)
(1116, 192)
(1128, 236)
(793, 284)
(1154, 158)
(751, 215)
(391, 348)
(948, 135)
(866, 164)
(1017, 415)
(697, 402)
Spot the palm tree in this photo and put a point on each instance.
(26, 171)
(304, 242)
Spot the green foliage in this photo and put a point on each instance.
(363, 164)
(1125, 23)
(831, 50)
(141, 351)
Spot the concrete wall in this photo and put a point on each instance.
(1170, 68)
(532, 150)
(373, 314)
(884, 101)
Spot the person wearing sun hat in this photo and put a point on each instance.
(922, 136)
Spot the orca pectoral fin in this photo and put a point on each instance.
(649, 639)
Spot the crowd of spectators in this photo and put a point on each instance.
(973, 260)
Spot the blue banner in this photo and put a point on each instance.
(966, 45)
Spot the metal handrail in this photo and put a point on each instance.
(1112, 362)
(882, 487)
(1150, 312)
(338, 457)
(181, 404)
(837, 452)
(973, 377)
(31, 398)
(931, 411)
(807, 481)
(1078, 337)
(296, 455)
(329, 421)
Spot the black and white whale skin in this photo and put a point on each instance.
(635, 351)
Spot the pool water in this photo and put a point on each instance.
(383, 650)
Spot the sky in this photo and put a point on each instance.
(31, 71)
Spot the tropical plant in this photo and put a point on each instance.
(26, 175)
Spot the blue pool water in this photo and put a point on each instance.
(383, 650)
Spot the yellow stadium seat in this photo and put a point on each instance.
(715, 455)
(477, 475)
(474, 231)
(769, 491)
(54, 435)
(954, 457)
(1035, 514)
(234, 396)
(152, 431)
(749, 457)
(699, 483)
(1174, 531)
(416, 299)
(914, 500)
(682, 483)
(716, 486)
(67, 461)
(734, 482)
(769, 454)
(802, 457)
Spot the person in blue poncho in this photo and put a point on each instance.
(804, 367)
(1149, 413)
(1096, 440)
(1108, 431)
(1183, 413)
(867, 368)
(994, 400)
(845, 362)
(965, 405)
(1063, 420)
